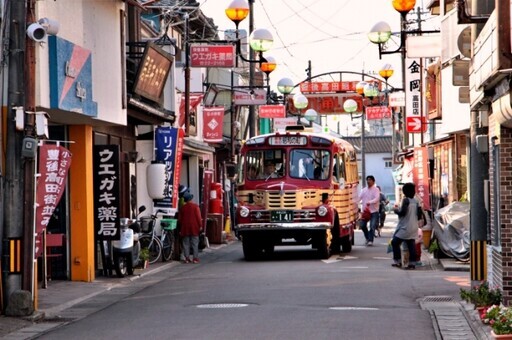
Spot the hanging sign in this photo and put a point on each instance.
(212, 55)
(169, 150)
(272, 111)
(212, 124)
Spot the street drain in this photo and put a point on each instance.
(440, 298)
(222, 305)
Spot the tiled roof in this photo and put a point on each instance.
(372, 144)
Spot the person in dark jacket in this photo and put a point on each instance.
(191, 224)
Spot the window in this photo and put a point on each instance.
(388, 164)
(264, 164)
(310, 164)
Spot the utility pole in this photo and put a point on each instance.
(252, 68)
(13, 233)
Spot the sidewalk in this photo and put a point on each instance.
(58, 304)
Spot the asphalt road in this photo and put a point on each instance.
(293, 295)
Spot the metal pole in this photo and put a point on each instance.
(252, 113)
(187, 75)
(363, 155)
(13, 190)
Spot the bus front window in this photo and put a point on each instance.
(264, 164)
(310, 164)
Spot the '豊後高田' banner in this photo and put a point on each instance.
(54, 163)
(169, 150)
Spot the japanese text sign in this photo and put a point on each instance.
(212, 128)
(106, 192)
(54, 163)
(272, 111)
(169, 150)
(212, 55)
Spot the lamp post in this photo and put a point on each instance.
(285, 86)
(260, 41)
(300, 102)
(350, 106)
(310, 116)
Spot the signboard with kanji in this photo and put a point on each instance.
(212, 55)
(377, 112)
(332, 86)
(272, 111)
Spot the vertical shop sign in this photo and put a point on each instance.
(213, 120)
(169, 150)
(106, 192)
(415, 122)
(420, 175)
(54, 163)
(207, 184)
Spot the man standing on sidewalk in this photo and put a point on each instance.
(370, 198)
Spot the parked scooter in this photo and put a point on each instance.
(126, 251)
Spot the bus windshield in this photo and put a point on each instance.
(265, 164)
(310, 164)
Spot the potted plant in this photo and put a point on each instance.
(500, 320)
(433, 248)
(144, 257)
(482, 296)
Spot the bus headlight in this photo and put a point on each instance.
(244, 211)
(322, 211)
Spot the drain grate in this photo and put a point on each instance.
(437, 299)
(223, 305)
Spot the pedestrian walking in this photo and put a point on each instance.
(369, 198)
(407, 228)
(191, 226)
(383, 201)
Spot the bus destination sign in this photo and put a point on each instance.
(288, 140)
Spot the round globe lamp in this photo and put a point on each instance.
(360, 87)
(403, 6)
(380, 33)
(285, 86)
(310, 115)
(261, 40)
(300, 102)
(268, 65)
(386, 71)
(371, 90)
(237, 11)
(350, 106)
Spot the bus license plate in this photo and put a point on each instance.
(281, 216)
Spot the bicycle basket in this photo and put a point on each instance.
(168, 224)
(146, 224)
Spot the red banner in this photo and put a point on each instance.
(177, 166)
(272, 111)
(421, 175)
(54, 163)
(212, 124)
(377, 112)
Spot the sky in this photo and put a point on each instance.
(332, 34)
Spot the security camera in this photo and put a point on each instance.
(36, 32)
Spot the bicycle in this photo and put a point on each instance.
(149, 239)
(158, 246)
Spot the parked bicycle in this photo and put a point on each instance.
(159, 246)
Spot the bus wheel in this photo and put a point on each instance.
(346, 244)
(323, 245)
(251, 250)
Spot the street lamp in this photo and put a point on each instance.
(350, 106)
(285, 86)
(310, 116)
(300, 102)
(260, 41)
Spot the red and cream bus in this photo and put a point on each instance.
(296, 187)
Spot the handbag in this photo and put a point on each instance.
(366, 215)
(202, 241)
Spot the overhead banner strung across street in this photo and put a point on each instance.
(212, 124)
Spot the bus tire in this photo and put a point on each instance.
(335, 231)
(323, 246)
(251, 251)
(346, 244)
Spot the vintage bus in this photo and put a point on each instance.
(296, 187)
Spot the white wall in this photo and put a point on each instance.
(94, 25)
(383, 176)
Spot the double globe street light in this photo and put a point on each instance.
(260, 40)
